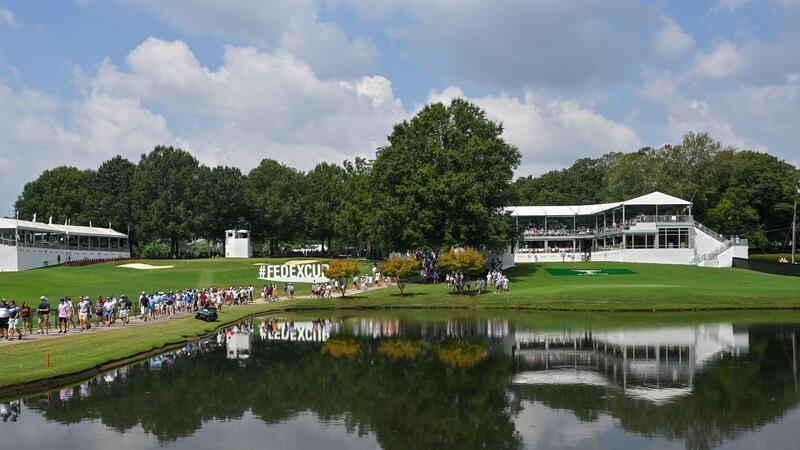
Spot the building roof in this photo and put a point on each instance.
(6, 223)
(651, 199)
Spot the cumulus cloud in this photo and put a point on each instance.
(671, 41)
(512, 45)
(41, 132)
(257, 104)
(723, 60)
(289, 27)
(550, 132)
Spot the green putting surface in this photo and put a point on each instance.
(587, 272)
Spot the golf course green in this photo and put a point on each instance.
(592, 288)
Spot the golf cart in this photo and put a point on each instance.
(207, 313)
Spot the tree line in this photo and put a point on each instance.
(442, 181)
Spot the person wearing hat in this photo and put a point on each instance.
(43, 311)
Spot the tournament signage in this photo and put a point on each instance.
(293, 273)
(588, 272)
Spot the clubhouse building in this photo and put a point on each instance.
(653, 228)
(29, 244)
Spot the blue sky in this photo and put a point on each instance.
(310, 80)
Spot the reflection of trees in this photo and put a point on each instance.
(727, 399)
(421, 405)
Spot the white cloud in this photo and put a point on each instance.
(724, 60)
(671, 41)
(256, 104)
(550, 132)
(289, 27)
(7, 17)
(41, 132)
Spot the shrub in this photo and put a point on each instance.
(153, 249)
(401, 269)
(342, 270)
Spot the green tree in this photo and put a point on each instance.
(351, 220)
(114, 204)
(324, 198)
(443, 180)
(63, 193)
(222, 202)
(165, 187)
(401, 269)
(274, 192)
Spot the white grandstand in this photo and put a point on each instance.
(26, 244)
(653, 228)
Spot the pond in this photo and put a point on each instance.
(440, 380)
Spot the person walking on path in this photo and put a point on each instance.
(64, 310)
(14, 321)
(4, 318)
(43, 311)
(25, 313)
(84, 309)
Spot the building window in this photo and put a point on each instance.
(673, 238)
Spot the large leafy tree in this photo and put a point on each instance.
(222, 201)
(443, 180)
(63, 193)
(324, 197)
(164, 191)
(582, 183)
(274, 191)
(350, 222)
(112, 191)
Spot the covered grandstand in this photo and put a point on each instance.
(26, 244)
(653, 228)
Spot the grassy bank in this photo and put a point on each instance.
(25, 362)
(650, 288)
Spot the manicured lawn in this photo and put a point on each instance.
(105, 279)
(650, 288)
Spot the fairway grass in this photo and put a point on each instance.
(671, 290)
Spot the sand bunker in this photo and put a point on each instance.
(293, 262)
(141, 266)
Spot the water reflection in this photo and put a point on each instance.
(458, 382)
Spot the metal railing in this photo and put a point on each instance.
(54, 246)
(710, 232)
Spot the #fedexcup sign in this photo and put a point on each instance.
(293, 273)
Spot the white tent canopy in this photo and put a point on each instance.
(77, 230)
(651, 199)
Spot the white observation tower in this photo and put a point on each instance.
(237, 244)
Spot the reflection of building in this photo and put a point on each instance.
(655, 365)
(238, 345)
